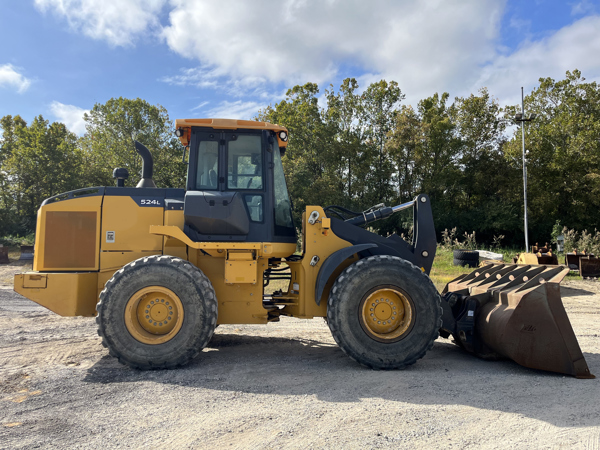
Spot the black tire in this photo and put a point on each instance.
(194, 295)
(358, 283)
(471, 255)
(466, 262)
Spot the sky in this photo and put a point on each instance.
(229, 59)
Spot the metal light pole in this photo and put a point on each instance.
(521, 118)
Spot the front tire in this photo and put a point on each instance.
(384, 312)
(157, 312)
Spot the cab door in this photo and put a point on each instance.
(227, 187)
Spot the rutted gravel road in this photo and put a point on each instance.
(284, 385)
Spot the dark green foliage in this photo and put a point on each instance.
(357, 150)
(564, 154)
(111, 130)
(36, 162)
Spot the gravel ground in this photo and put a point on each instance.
(283, 385)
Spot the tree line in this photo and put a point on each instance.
(355, 148)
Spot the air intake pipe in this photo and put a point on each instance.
(147, 166)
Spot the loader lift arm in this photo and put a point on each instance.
(420, 253)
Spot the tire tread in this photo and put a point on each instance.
(334, 297)
(201, 339)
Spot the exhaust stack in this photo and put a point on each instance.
(147, 166)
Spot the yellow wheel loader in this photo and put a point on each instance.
(161, 268)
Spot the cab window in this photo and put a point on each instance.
(208, 164)
(244, 163)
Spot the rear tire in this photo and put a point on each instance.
(404, 303)
(157, 312)
(465, 262)
(470, 255)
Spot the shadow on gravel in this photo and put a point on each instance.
(303, 367)
(574, 292)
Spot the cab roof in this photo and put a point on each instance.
(226, 124)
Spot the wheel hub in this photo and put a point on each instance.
(154, 315)
(387, 314)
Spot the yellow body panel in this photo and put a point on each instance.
(270, 249)
(240, 267)
(318, 240)
(66, 294)
(171, 246)
(240, 272)
(55, 244)
(130, 223)
(116, 260)
(238, 303)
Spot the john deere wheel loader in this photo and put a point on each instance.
(161, 268)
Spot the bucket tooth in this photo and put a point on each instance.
(519, 316)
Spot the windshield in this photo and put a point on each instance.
(244, 163)
(284, 225)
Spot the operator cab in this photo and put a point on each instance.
(236, 188)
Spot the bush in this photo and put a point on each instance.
(582, 242)
(451, 242)
(16, 241)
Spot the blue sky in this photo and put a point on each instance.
(228, 59)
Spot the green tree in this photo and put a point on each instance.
(563, 161)
(309, 161)
(484, 190)
(9, 124)
(405, 139)
(336, 153)
(454, 154)
(39, 161)
(378, 114)
(344, 111)
(111, 130)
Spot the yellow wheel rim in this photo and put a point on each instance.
(154, 315)
(387, 314)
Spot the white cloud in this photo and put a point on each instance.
(118, 22)
(248, 49)
(572, 47)
(426, 47)
(70, 115)
(9, 77)
(200, 106)
(196, 76)
(581, 8)
(212, 78)
(236, 110)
